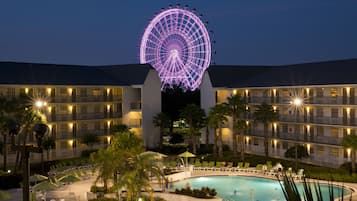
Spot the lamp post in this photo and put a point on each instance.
(297, 103)
(40, 130)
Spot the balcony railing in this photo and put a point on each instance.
(310, 100)
(135, 123)
(135, 106)
(83, 116)
(67, 99)
(301, 137)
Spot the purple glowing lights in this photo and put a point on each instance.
(176, 43)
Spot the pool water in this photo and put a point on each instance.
(241, 188)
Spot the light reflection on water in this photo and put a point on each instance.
(241, 188)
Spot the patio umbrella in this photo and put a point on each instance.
(37, 178)
(187, 155)
(43, 186)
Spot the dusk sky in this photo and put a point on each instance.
(103, 32)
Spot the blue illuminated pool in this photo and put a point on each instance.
(241, 188)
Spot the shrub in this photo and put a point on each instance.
(88, 152)
(176, 138)
(204, 192)
(98, 189)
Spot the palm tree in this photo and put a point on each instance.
(3, 128)
(241, 127)
(48, 143)
(350, 142)
(237, 108)
(137, 173)
(89, 139)
(217, 117)
(265, 114)
(27, 118)
(119, 128)
(194, 116)
(162, 121)
(125, 155)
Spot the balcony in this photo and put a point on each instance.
(135, 123)
(135, 106)
(69, 99)
(300, 138)
(318, 120)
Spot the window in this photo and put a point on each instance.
(284, 127)
(319, 112)
(84, 126)
(83, 92)
(256, 142)
(320, 131)
(97, 126)
(320, 92)
(96, 109)
(10, 92)
(334, 112)
(285, 145)
(63, 91)
(333, 92)
(334, 152)
(96, 92)
(84, 109)
(334, 132)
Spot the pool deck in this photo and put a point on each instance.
(79, 189)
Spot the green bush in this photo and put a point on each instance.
(88, 152)
(98, 189)
(204, 192)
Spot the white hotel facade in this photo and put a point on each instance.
(90, 99)
(86, 99)
(328, 89)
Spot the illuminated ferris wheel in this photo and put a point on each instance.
(176, 43)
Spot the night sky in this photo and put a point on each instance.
(102, 32)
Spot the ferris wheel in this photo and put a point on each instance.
(177, 44)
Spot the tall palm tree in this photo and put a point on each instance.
(119, 128)
(241, 127)
(27, 118)
(195, 118)
(265, 114)
(125, 155)
(237, 108)
(3, 128)
(350, 142)
(89, 139)
(162, 121)
(217, 117)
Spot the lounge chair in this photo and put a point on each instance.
(246, 165)
(204, 165)
(240, 165)
(218, 165)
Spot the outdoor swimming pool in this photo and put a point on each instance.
(241, 188)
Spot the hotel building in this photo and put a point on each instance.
(86, 99)
(328, 112)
